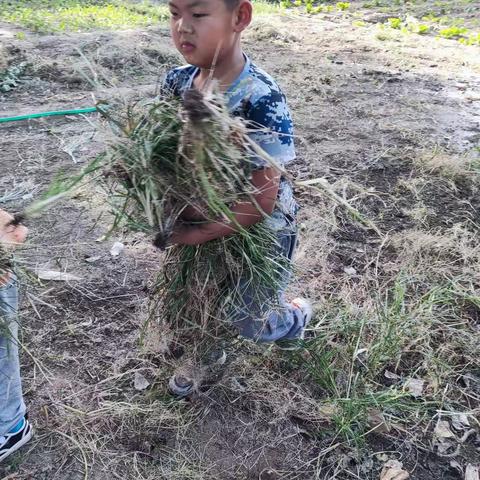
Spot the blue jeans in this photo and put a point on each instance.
(255, 318)
(12, 406)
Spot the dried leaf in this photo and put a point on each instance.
(442, 430)
(393, 470)
(382, 457)
(460, 421)
(140, 382)
(57, 276)
(328, 410)
(377, 421)
(472, 472)
(415, 386)
(391, 376)
(442, 435)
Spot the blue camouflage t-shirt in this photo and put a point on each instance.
(256, 97)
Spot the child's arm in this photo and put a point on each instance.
(266, 181)
(10, 237)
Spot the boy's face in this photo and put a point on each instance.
(200, 27)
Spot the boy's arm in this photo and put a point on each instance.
(266, 181)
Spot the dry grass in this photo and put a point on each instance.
(453, 166)
(3, 59)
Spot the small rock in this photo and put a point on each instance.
(140, 382)
(117, 249)
(350, 271)
(93, 259)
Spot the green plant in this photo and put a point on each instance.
(452, 32)
(73, 15)
(395, 23)
(422, 29)
(472, 39)
(414, 27)
(69, 15)
(10, 78)
(342, 6)
(352, 418)
(431, 18)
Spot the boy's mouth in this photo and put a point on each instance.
(187, 47)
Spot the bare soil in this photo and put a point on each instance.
(366, 112)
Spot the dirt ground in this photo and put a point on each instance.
(367, 112)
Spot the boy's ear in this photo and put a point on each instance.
(243, 16)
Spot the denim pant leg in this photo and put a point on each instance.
(257, 320)
(12, 406)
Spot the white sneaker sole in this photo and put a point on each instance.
(18, 445)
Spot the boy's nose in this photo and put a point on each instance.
(184, 27)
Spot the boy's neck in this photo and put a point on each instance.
(225, 71)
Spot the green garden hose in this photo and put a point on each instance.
(48, 114)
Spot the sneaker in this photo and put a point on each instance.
(297, 343)
(181, 386)
(12, 441)
(188, 380)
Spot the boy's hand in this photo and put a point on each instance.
(185, 235)
(10, 237)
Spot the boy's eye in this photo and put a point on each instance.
(174, 14)
(199, 15)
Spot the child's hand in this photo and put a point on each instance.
(184, 234)
(10, 236)
(192, 214)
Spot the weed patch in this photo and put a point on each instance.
(54, 16)
(11, 77)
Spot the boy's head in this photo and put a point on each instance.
(201, 27)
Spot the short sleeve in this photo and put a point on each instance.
(168, 81)
(171, 82)
(177, 80)
(272, 128)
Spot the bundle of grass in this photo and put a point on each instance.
(5, 261)
(167, 159)
(6, 257)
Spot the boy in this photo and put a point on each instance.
(207, 34)
(15, 430)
